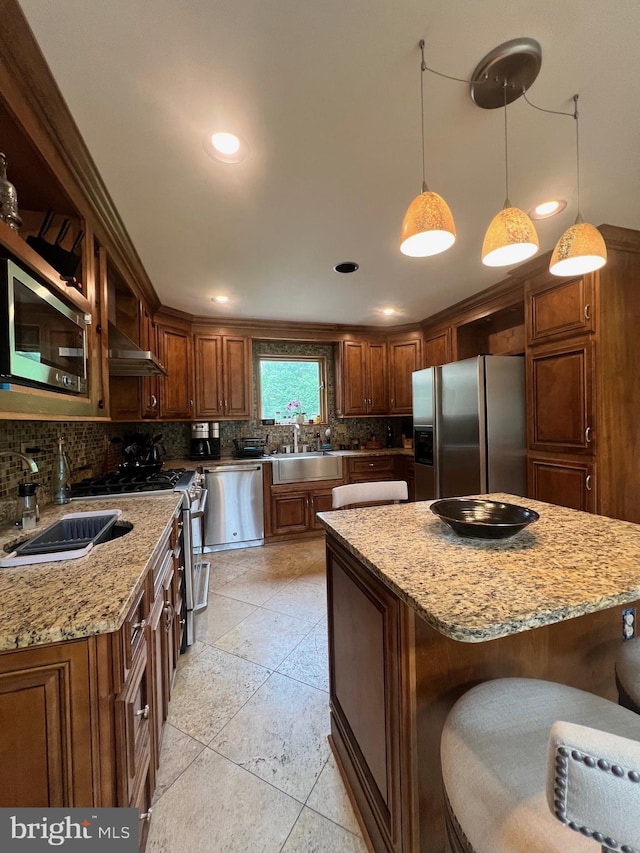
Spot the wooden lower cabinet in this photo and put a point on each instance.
(293, 510)
(81, 721)
(45, 726)
(565, 481)
(362, 469)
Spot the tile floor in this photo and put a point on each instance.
(245, 763)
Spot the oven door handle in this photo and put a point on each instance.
(199, 513)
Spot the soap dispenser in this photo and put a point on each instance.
(61, 475)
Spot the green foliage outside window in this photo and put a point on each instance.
(287, 381)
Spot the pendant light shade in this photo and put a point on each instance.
(510, 238)
(427, 227)
(581, 249)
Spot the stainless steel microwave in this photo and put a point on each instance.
(43, 341)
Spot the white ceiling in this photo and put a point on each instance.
(327, 94)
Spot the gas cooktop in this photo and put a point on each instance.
(129, 482)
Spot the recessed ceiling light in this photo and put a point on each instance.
(388, 311)
(220, 299)
(226, 147)
(346, 267)
(548, 208)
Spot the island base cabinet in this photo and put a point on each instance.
(45, 727)
(394, 679)
(365, 694)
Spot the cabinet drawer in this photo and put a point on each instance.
(563, 481)
(134, 625)
(133, 728)
(366, 468)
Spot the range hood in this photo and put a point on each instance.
(127, 359)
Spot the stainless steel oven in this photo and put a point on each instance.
(43, 341)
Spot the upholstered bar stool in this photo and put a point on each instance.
(367, 493)
(628, 675)
(521, 757)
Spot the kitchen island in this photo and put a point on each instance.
(418, 615)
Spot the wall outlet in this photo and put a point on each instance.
(628, 623)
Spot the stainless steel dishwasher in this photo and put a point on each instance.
(234, 516)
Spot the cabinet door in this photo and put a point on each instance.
(559, 309)
(176, 395)
(237, 377)
(404, 358)
(353, 377)
(561, 398)
(289, 512)
(364, 679)
(45, 727)
(150, 385)
(320, 500)
(437, 349)
(133, 729)
(124, 398)
(209, 393)
(376, 378)
(563, 481)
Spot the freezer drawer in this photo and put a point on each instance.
(234, 517)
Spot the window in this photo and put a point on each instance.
(292, 385)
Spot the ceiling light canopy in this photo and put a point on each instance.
(428, 227)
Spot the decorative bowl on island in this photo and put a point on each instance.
(483, 519)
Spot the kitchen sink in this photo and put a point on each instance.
(72, 536)
(306, 467)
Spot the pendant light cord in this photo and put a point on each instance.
(423, 68)
(507, 203)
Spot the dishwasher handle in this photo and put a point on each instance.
(223, 470)
(199, 513)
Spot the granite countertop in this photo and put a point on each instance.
(50, 602)
(567, 564)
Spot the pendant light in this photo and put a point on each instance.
(511, 236)
(427, 227)
(581, 249)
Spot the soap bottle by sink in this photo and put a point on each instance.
(61, 475)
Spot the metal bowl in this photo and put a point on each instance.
(482, 519)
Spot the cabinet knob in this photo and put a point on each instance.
(139, 625)
(146, 815)
(183, 621)
(587, 435)
(587, 482)
(143, 712)
(169, 614)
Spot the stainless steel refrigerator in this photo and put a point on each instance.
(469, 428)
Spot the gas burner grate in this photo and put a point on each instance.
(126, 482)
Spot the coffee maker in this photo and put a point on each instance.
(205, 440)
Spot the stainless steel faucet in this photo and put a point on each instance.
(30, 462)
(296, 430)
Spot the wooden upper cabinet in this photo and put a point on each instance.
(558, 309)
(404, 358)
(175, 353)
(563, 480)
(561, 397)
(149, 385)
(223, 376)
(361, 378)
(437, 349)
